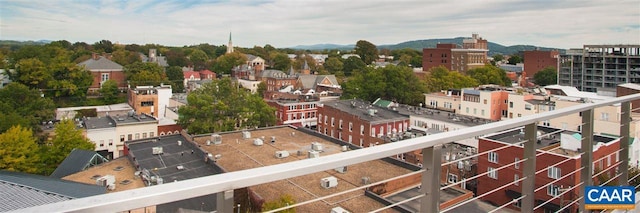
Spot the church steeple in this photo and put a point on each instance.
(230, 45)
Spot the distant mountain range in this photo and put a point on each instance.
(494, 48)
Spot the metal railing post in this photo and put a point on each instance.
(586, 159)
(529, 168)
(224, 201)
(432, 160)
(625, 120)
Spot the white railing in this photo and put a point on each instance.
(171, 192)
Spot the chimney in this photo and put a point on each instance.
(95, 56)
(106, 55)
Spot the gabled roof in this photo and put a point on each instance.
(188, 74)
(307, 81)
(272, 74)
(207, 72)
(100, 64)
(331, 78)
(253, 57)
(78, 160)
(21, 190)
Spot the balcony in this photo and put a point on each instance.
(530, 139)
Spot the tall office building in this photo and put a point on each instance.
(600, 68)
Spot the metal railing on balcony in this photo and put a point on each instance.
(431, 147)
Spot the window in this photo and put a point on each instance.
(467, 109)
(373, 132)
(121, 138)
(452, 178)
(325, 119)
(604, 116)
(519, 115)
(333, 121)
(475, 111)
(130, 137)
(511, 104)
(137, 136)
(493, 157)
(485, 101)
(361, 129)
(151, 134)
(482, 112)
(552, 190)
(340, 124)
(101, 143)
(518, 203)
(104, 77)
(146, 103)
(493, 173)
(554, 172)
(516, 178)
(144, 135)
(527, 107)
(110, 142)
(350, 127)
(517, 165)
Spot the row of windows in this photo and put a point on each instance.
(552, 172)
(137, 136)
(302, 106)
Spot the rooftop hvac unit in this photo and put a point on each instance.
(365, 180)
(159, 181)
(314, 154)
(258, 142)
(341, 170)
(345, 148)
(106, 180)
(208, 142)
(339, 210)
(179, 143)
(180, 167)
(216, 139)
(111, 187)
(329, 182)
(316, 146)
(246, 134)
(273, 139)
(282, 154)
(156, 150)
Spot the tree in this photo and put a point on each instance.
(262, 87)
(176, 77)
(19, 150)
(198, 59)
(498, 57)
(124, 57)
(391, 83)
(490, 74)
(66, 138)
(440, 78)
(333, 65)
(283, 201)
(23, 106)
(367, 51)
(281, 61)
(514, 59)
(103, 45)
(109, 91)
(223, 106)
(352, 64)
(31, 72)
(69, 80)
(226, 62)
(546, 76)
(142, 73)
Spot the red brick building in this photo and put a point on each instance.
(275, 79)
(103, 69)
(359, 122)
(536, 60)
(557, 147)
(473, 54)
(296, 110)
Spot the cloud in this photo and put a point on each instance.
(561, 24)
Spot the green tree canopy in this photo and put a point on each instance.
(109, 91)
(23, 106)
(352, 64)
(66, 138)
(367, 51)
(490, 74)
(546, 76)
(514, 59)
(19, 150)
(390, 83)
(32, 72)
(333, 65)
(223, 106)
(176, 77)
(146, 74)
(198, 58)
(440, 78)
(281, 61)
(226, 62)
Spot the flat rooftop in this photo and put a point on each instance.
(361, 109)
(440, 115)
(238, 154)
(165, 165)
(553, 139)
(112, 121)
(120, 168)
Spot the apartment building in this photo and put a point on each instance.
(473, 54)
(109, 133)
(536, 60)
(487, 102)
(359, 123)
(150, 100)
(554, 146)
(600, 68)
(448, 100)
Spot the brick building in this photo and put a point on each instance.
(473, 54)
(275, 79)
(536, 60)
(150, 100)
(484, 102)
(359, 122)
(295, 110)
(553, 146)
(103, 69)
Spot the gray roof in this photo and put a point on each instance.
(21, 190)
(272, 74)
(311, 81)
(98, 122)
(78, 160)
(118, 120)
(361, 109)
(101, 63)
(252, 57)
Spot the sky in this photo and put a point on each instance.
(287, 23)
